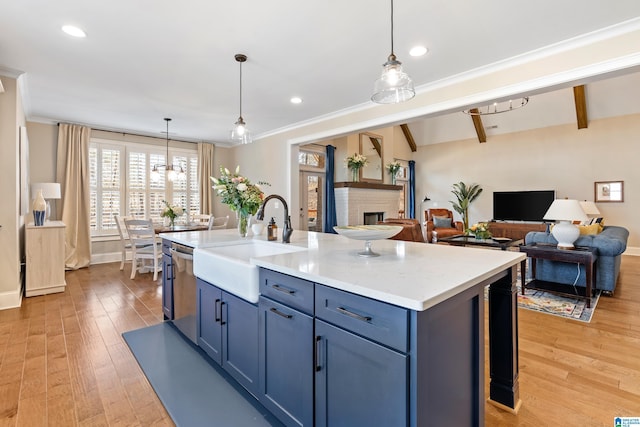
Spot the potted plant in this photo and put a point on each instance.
(465, 194)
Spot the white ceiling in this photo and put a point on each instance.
(146, 60)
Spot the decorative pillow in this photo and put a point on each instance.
(590, 229)
(442, 222)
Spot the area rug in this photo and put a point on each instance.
(549, 303)
(194, 391)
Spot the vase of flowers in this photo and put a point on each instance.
(393, 168)
(480, 230)
(242, 196)
(171, 212)
(354, 162)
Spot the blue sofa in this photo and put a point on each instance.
(611, 243)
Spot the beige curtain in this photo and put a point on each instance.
(73, 175)
(205, 171)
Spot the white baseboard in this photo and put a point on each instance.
(11, 299)
(632, 250)
(109, 257)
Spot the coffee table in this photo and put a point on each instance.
(503, 243)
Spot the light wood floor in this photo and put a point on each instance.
(63, 361)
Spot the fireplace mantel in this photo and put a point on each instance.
(368, 185)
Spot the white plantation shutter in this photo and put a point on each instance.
(120, 183)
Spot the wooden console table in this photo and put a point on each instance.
(582, 255)
(514, 230)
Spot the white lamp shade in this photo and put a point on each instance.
(565, 210)
(50, 190)
(589, 208)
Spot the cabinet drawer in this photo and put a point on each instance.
(291, 291)
(166, 247)
(378, 321)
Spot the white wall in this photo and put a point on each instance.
(560, 158)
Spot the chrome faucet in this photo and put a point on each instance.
(286, 230)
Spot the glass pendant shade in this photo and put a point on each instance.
(240, 133)
(171, 173)
(155, 174)
(394, 85)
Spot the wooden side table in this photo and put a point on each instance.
(45, 257)
(580, 255)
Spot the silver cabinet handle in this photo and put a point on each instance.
(283, 290)
(279, 313)
(352, 314)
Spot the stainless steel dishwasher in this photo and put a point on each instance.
(184, 290)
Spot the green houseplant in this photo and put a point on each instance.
(465, 194)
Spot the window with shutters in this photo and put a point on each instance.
(120, 183)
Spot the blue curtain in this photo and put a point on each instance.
(412, 189)
(329, 209)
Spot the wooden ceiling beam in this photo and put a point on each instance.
(409, 137)
(581, 106)
(477, 123)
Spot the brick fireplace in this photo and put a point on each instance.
(357, 200)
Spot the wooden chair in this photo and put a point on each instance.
(219, 223)
(446, 226)
(144, 246)
(203, 219)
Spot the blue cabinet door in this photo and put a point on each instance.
(358, 382)
(208, 315)
(240, 340)
(167, 287)
(286, 363)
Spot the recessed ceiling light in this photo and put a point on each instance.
(296, 100)
(73, 31)
(418, 51)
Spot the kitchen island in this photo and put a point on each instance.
(397, 339)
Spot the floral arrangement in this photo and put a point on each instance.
(393, 168)
(356, 161)
(238, 192)
(171, 211)
(480, 230)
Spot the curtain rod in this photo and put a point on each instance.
(137, 134)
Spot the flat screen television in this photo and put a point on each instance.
(521, 205)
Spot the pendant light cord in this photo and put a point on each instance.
(167, 159)
(240, 88)
(392, 28)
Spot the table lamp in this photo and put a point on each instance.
(590, 209)
(50, 190)
(565, 211)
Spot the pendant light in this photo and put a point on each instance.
(394, 85)
(173, 172)
(240, 133)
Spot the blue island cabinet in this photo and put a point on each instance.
(349, 360)
(227, 330)
(167, 280)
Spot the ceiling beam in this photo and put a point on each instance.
(376, 145)
(409, 137)
(477, 123)
(581, 106)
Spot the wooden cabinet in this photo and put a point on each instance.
(514, 230)
(167, 280)
(286, 348)
(45, 258)
(227, 330)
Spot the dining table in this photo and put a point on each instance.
(161, 228)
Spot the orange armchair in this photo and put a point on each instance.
(441, 221)
(411, 230)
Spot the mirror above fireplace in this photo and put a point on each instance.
(371, 147)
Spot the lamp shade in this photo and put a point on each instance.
(50, 190)
(589, 208)
(565, 210)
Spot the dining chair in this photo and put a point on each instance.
(125, 242)
(218, 223)
(202, 219)
(144, 246)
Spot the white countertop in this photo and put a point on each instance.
(408, 274)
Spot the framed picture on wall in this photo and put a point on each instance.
(609, 191)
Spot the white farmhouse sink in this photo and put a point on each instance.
(229, 267)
